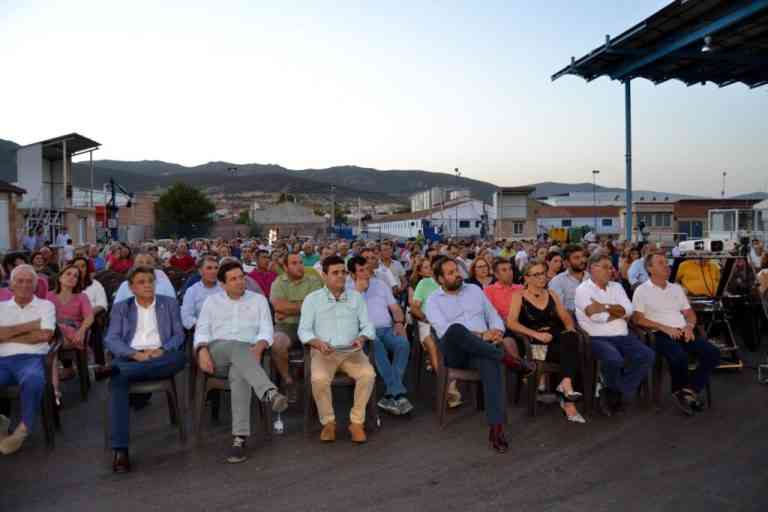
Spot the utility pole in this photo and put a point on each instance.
(595, 172)
(458, 175)
(333, 208)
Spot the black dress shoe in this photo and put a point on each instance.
(120, 462)
(104, 372)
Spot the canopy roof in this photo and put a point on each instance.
(694, 41)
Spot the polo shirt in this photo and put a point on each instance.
(424, 289)
(600, 323)
(662, 305)
(13, 314)
(500, 296)
(378, 297)
(699, 278)
(294, 291)
(564, 285)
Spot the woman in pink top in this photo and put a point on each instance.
(74, 314)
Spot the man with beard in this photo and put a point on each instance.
(470, 333)
(564, 284)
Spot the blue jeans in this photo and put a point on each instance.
(676, 354)
(392, 373)
(129, 371)
(612, 351)
(28, 372)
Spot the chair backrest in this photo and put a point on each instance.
(111, 281)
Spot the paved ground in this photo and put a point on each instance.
(644, 461)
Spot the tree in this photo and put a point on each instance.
(183, 211)
(244, 218)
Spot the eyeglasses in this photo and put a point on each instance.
(537, 274)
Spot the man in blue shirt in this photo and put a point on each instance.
(470, 334)
(390, 337)
(334, 323)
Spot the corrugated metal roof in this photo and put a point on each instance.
(694, 41)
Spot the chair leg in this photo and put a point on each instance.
(709, 395)
(174, 398)
(199, 403)
(171, 408)
(265, 411)
(442, 396)
(533, 384)
(309, 407)
(47, 417)
(82, 371)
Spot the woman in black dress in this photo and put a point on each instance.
(538, 313)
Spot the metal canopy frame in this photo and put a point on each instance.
(694, 41)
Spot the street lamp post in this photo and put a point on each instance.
(722, 192)
(595, 172)
(458, 175)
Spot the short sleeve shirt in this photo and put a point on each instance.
(294, 291)
(662, 305)
(13, 314)
(424, 289)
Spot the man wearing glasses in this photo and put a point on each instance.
(602, 310)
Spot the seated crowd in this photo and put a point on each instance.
(492, 307)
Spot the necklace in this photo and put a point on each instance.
(537, 295)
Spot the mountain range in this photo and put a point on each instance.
(349, 181)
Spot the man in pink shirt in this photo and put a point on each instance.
(500, 292)
(261, 274)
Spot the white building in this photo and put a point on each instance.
(462, 218)
(608, 218)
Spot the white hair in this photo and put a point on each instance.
(24, 268)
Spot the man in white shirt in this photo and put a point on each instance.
(146, 337)
(62, 237)
(521, 258)
(233, 331)
(394, 266)
(195, 296)
(602, 310)
(26, 327)
(663, 307)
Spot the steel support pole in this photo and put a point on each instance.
(628, 156)
(90, 153)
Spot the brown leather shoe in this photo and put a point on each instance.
(328, 435)
(357, 432)
(121, 463)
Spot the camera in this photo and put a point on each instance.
(705, 246)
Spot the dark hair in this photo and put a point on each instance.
(366, 249)
(551, 255)
(10, 259)
(205, 259)
(437, 266)
(226, 267)
(86, 277)
(330, 261)
(57, 282)
(260, 252)
(354, 262)
(140, 270)
(571, 249)
(497, 262)
(649, 259)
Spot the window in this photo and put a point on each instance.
(645, 219)
(517, 228)
(566, 223)
(606, 222)
(477, 223)
(663, 220)
(463, 223)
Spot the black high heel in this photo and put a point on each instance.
(497, 440)
(572, 397)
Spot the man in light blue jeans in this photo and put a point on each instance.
(390, 336)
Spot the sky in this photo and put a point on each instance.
(389, 85)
